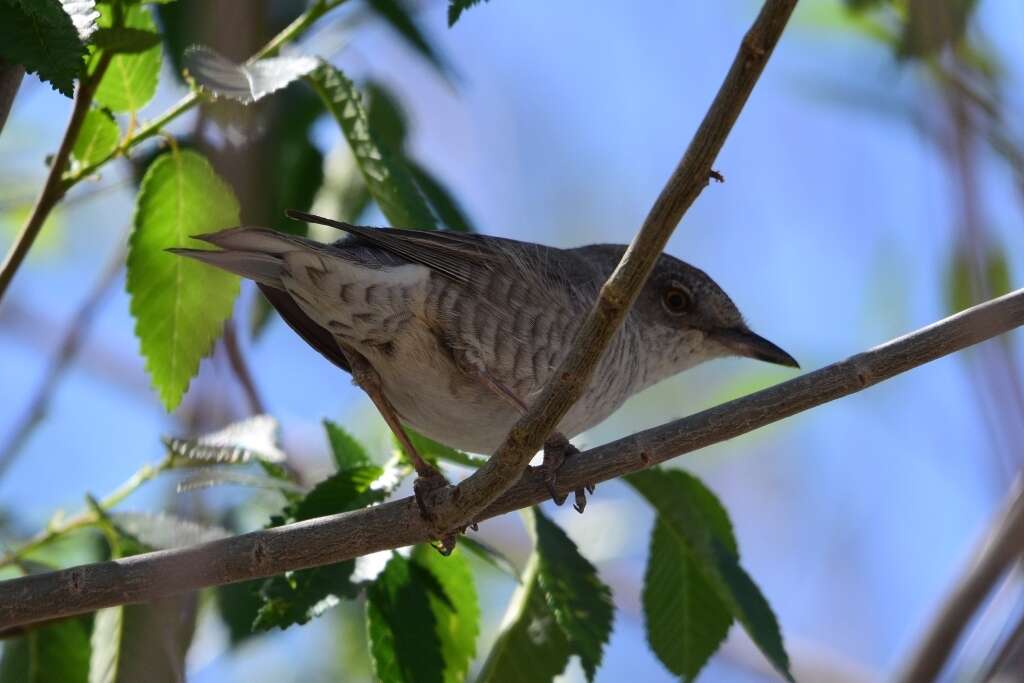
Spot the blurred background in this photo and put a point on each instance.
(868, 192)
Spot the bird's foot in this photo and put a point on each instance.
(557, 450)
(429, 481)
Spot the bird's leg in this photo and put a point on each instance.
(556, 449)
(428, 478)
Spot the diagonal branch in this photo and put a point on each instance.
(336, 538)
(573, 376)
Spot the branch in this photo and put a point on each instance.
(1000, 548)
(336, 538)
(572, 377)
(54, 187)
(10, 81)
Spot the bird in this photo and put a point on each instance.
(454, 334)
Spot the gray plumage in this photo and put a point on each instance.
(464, 330)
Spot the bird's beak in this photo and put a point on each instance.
(743, 342)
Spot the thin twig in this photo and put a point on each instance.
(241, 368)
(568, 383)
(75, 333)
(336, 538)
(1002, 545)
(54, 187)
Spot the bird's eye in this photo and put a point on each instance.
(676, 300)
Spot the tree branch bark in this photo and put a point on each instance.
(457, 506)
(326, 540)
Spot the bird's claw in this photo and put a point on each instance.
(556, 451)
(424, 489)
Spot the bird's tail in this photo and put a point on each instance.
(253, 253)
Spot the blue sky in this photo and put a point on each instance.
(832, 233)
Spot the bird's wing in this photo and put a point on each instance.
(317, 336)
(454, 255)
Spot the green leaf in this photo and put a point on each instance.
(579, 600)
(179, 305)
(456, 612)
(700, 523)
(245, 83)
(531, 646)
(131, 79)
(54, 653)
(97, 138)
(41, 36)
(447, 208)
(491, 556)
(238, 605)
(387, 117)
(125, 40)
(402, 626)
(346, 451)
(931, 25)
(397, 15)
(685, 620)
(968, 283)
(297, 597)
(387, 178)
(143, 642)
(457, 7)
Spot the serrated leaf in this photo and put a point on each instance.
(388, 120)
(54, 653)
(131, 79)
(456, 612)
(254, 438)
(531, 646)
(685, 620)
(397, 15)
(245, 83)
(387, 178)
(346, 451)
(297, 597)
(41, 36)
(125, 40)
(97, 139)
(699, 522)
(143, 642)
(238, 605)
(179, 305)
(457, 7)
(579, 600)
(162, 531)
(402, 626)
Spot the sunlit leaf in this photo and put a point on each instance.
(699, 522)
(179, 305)
(346, 451)
(42, 36)
(403, 629)
(97, 138)
(387, 178)
(580, 601)
(433, 451)
(131, 79)
(456, 610)
(245, 83)
(531, 646)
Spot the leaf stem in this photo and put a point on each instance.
(86, 518)
(54, 188)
